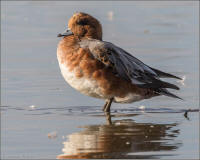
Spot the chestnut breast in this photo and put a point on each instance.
(90, 76)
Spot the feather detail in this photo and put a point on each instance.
(128, 67)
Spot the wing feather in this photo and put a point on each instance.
(127, 66)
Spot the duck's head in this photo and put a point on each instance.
(83, 25)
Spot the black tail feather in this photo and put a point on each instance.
(164, 75)
(167, 93)
(168, 85)
(159, 84)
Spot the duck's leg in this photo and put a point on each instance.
(106, 107)
(108, 118)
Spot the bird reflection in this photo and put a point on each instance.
(121, 139)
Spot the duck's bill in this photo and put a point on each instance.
(66, 33)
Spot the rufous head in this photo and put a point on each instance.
(84, 25)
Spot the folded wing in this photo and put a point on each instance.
(128, 67)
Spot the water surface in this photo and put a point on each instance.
(43, 117)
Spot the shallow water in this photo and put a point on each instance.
(43, 117)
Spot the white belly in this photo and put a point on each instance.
(129, 98)
(84, 85)
(90, 87)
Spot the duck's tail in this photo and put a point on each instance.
(164, 74)
(163, 91)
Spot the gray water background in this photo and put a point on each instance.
(163, 35)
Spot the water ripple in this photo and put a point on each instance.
(91, 110)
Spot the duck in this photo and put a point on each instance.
(101, 69)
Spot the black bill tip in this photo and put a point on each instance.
(59, 35)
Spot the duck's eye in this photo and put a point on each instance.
(82, 22)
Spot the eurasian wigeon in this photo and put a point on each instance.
(103, 70)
